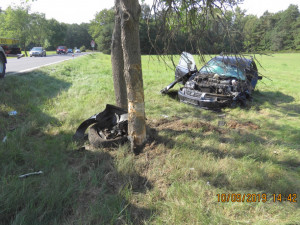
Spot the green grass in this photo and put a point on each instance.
(187, 161)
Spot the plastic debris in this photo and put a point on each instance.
(165, 116)
(221, 123)
(30, 174)
(4, 139)
(208, 183)
(12, 113)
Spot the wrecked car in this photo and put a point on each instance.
(223, 81)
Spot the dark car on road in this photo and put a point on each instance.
(37, 51)
(70, 50)
(223, 81)
(62, 50)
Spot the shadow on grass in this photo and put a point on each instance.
(105, 198)
(281, 102)
(75, 186)
(28, 94)
(273, 98)
(173, 94)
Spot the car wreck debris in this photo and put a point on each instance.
(30, 174)
(223, 81)
(12, 113)
(109, 128)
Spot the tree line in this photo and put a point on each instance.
(33, 29)
(234, 31)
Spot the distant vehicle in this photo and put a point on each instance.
(37, 51)
(61, 50)
(77, 50)
(70, 50)
(3, 62)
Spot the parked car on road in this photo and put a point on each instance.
(70, 50)
(223, 81)
(77, 50)
(37, 51)
(62, 50)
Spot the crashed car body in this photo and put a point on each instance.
(221, 82)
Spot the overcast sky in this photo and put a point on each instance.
(78, 11)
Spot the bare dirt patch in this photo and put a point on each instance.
(233, 124)
(177, 123)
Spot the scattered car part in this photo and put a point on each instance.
(4, 139)
(12, 113)
(110, 127)
(221, 82)
(30, 174)
(103, 136)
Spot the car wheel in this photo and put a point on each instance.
(2, 66)
(97, 141)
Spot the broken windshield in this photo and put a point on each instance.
(222, 69)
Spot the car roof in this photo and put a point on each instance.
(241, 62)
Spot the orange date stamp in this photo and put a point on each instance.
(249, 197)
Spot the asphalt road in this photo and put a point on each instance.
(27, 64)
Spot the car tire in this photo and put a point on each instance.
(97, 141)
(2, 66)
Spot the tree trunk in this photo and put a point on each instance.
(117, 61)
(129, 13)
(24, 47)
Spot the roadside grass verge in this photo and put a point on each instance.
(189, 159)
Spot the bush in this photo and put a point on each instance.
(82, 48)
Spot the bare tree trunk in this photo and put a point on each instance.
(117, 61)
(130, 11)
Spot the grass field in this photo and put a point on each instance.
(188, 161)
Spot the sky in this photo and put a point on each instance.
(82, 11)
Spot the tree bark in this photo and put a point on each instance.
(130, 11)
(117, 61)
